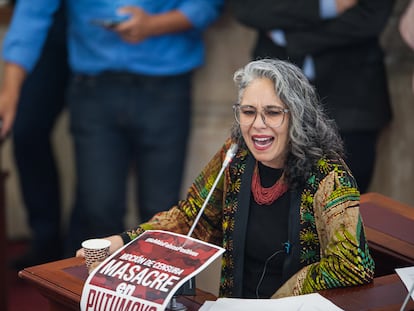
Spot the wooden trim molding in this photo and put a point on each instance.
(5, 14)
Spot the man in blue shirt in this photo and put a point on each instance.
(129, 98)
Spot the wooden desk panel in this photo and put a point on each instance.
(63, 290)
(61, 282)
(389, 227)
(390, 232)
(386, 293)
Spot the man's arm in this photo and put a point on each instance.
(365, 21)
(13, 78)
(191, 14)
(268, 15)
(21, 49)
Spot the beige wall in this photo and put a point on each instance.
(394, 173)
(228, 48)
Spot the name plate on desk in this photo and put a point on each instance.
(145, 273)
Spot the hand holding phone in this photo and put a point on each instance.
(109, 23)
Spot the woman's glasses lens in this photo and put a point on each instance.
(271, 116)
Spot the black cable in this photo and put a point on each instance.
(287, 246)
(264, 270)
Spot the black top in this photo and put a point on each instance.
(267, 231)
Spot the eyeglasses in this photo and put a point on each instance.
(272, 116)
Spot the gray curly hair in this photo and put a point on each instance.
(312, 135)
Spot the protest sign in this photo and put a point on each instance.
(145, 273)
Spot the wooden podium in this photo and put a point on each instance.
(61, 282)
(386, 293)
(389, 227)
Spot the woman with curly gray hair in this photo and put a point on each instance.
(311, 134)
(287, 208)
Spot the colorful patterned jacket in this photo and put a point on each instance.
(328, 245)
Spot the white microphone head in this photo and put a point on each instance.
(230, 154)
(233, 149)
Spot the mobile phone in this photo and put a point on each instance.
(109, 23)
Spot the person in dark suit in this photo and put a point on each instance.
(336, 43)
(41, 101)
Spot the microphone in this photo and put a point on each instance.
(188, 288)
(231, 152)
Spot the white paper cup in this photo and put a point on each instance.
(96, 250)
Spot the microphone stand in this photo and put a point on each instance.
(407, 298)
(229, 157)
(174, 305)
(188, 288)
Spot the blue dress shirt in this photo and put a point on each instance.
(94, 49)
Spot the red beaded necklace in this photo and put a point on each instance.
(266, 196)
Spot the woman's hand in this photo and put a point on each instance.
(116, 243)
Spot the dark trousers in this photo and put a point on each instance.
(122, 122)
(41, 101)
(360, 151)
